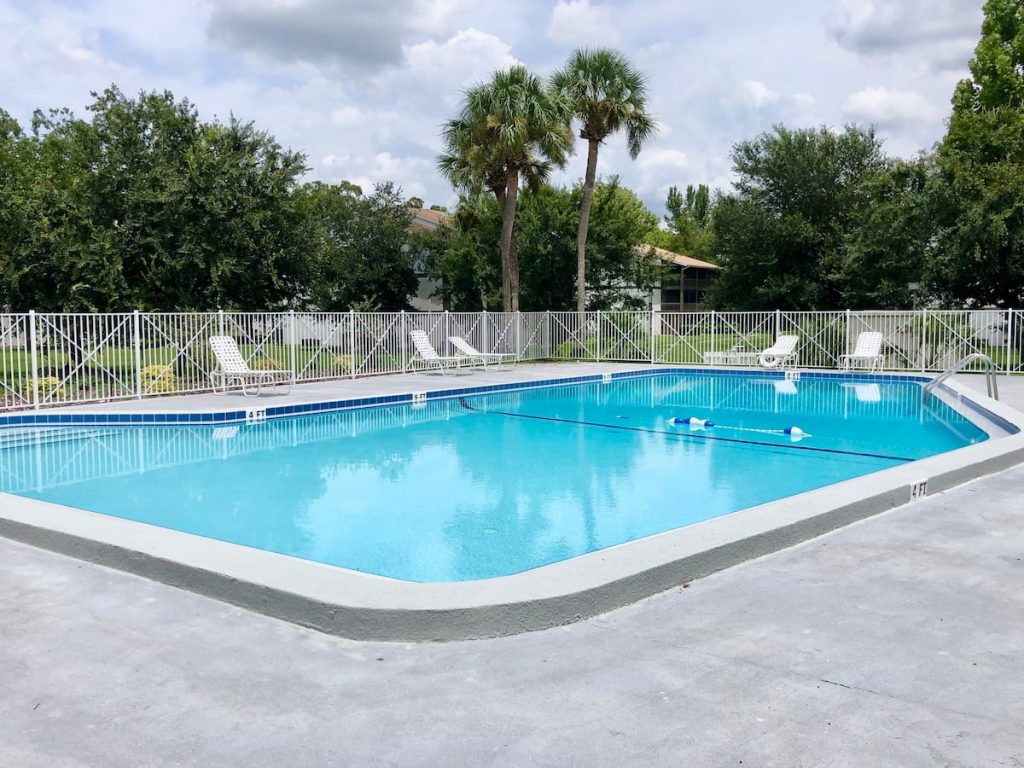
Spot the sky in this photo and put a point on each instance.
(362, 87)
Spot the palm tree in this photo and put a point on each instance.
(510, 127)
(606, 94)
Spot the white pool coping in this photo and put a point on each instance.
(367, 607)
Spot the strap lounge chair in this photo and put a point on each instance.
(868, 352)
(231, 367)
(467, 350)
(427, 356)
(780, 354)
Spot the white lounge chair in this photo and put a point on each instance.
(868, 352)
(467, 350)
(231, 367)
(780, 354)
(427, 355)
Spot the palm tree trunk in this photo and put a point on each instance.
(581, 234)
(509, 260)
(499, 194)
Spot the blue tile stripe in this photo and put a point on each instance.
(236, 416)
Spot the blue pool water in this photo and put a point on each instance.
(489, 485)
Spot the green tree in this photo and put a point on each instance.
(780, 235)
(64, 259)
(978, 192)
(202, 212)
(622, 270)
(512, 126)
(606, 94)
(144, 205)
(361, 248)
(462, 255)
(689, 222)
(887, 244)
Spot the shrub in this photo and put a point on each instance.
(264, 363)
(158, 379)
(342, 364)
(49, 387)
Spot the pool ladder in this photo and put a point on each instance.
(990, 374)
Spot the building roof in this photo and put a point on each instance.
(686, 262)
(424, 218)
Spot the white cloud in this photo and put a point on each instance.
(577, 22)
(757, 94)
(939, 34)
(887, 107)
(467, 56)
(437, 16)
(664, 158)
(348, 115)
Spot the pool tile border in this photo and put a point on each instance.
(239, 416)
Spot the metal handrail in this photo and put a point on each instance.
(990, 374)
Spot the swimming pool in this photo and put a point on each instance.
(479, 486)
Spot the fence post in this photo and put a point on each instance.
(547, 333)
(597, 351)
(846, 334)
(352, 342)
(778, 322)
(715, 343)
(405, 352)
(518, 338)
(137, 346)
(651, 327)
(1009, 339)
(924, 340)
(33, 358)
(220, 322)
(291, 340)
(485, 334)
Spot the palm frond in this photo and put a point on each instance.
(606, 94)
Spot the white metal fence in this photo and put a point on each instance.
(58, 359)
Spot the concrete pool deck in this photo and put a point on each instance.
(344, 389)
(896, 641)
(362, 606)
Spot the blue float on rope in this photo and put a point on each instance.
(692, 421)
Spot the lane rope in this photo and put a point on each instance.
(685, 435)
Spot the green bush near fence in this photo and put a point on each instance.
(157, 380)
(342, 365)
(50, 387)
(264, 363)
